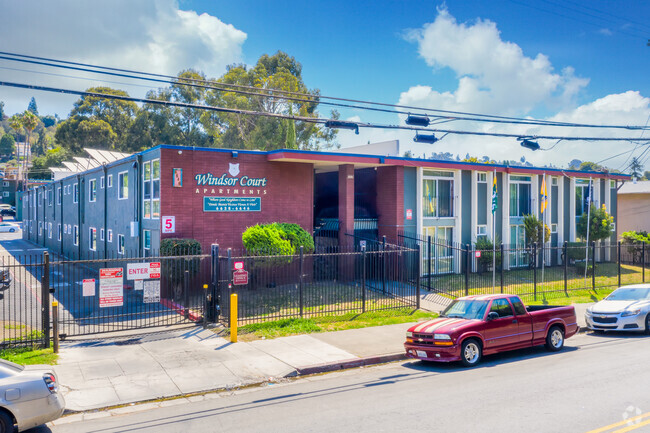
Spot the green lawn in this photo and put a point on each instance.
(29, 355)
(285, 327)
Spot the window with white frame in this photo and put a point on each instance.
(554, 181)
(5, 193)
(481, 230)
(553, 228)
(146, 239)
(92, 239)
(75, 235)
(481, 177)
(50, 197)
(520, 196)
(582, 196)
(151, 189)
(40, 228)
(58, 196)
(109, 181)
(109, 235)
(101, 235)
(437, 194)
(49, 230)
(5, 183)
(92, 190)
(75, 193)
(120, 244)
(442, 259)
(59, 232)
(101, 183)
(123, 185)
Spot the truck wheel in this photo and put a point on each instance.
(555, 339)
(470, 352)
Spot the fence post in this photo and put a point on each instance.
(213, 297)
(186, 293)
(535, 270)
(302, 264)
(643, 262)
(384, 270)
(429, 246)
(467, 267)
(565, 247)
(501, 270)
(45, 300)
(593, 265)
(417, 279)
(618, 260)
(363, 279)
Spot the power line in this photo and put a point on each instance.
(312, 99)
(302, 118)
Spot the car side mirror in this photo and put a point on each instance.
(492, 315)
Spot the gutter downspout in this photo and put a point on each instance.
(60, 232)
(138, 204)
(105, 210)
(79, 202)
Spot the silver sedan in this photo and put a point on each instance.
(625, 309)
(28, 396)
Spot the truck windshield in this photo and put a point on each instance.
(466, 309)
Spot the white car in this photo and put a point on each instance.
(9, 227)
(30, 396)
(625, 309)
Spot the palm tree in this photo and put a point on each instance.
(30, 122)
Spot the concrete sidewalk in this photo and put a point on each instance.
(102, 373)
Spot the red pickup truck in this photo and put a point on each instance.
(474, 326)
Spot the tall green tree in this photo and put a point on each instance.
(32, 107)
(271, 73)
(16, 123)
(635, 168)
(41, 164)
(2, 111)
(78, 132)
(600, 223)
(590, 166)
(7, 146)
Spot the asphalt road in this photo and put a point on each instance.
(597, 381)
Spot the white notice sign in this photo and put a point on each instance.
(111, 288)
(89, 287)
(151, 292)
(137, 285)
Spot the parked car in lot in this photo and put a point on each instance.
(474, 326)
(625, 309)
(28, 397)
(9, 227)
(8, 212)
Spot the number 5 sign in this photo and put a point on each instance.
(169, 224)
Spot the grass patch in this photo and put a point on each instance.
(286, 327)
(30, 355)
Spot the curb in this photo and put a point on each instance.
(347, 364)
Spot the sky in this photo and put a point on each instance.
(573, 61)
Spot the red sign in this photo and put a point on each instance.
(409, 214)
(110, 273)
(240, 278)
(477, 254)
(239, 265)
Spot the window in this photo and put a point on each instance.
(520, 310)
(59, 232)
(481, 230)
(92, 190)
(612, 184)
(49, 230)
(481, 177)
(92, 239)
(554, 181)
(58, 196)
(519, 196)
(123, 185)
(40, 228)
(501, 307)
(151, 189)
(582, 197)
(109, 235)
(101, 234)
(101, 184)
(109, 181)
(5, 183)
(442, 254)
(76, 235)
(5, 193)
(50, 197)
(75, 193)
(120, 244)
(553, 228)
(517, 254)
(437, 194)
(146, 242)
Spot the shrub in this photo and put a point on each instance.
(485, 245)
(601, 224)
(533, 227)
(580, 268)
(576, 251)
(633, 242)
(277, 238)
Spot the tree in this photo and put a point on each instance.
(78, 132)
(646, 175)
(2, 111)
(7, 146)
(533, 228)
(601, 224)
(41, 164)
(32, 107)
(48, 121)
(590, 166)
(16, 123)
(635, 168)
(271, 73)
(574, 164)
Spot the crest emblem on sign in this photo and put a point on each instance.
(233, 169)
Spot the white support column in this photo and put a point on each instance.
(572, 209)
(474, 206)
(547, 216)
(418, 201)
(505, 220)
(458, 216)
(534, 195)
(490, 182)
(560, 215)
(596, 200)
(608, 207)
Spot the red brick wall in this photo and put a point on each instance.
(390, 201)
(288, 198)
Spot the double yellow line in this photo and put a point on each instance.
(637, 422)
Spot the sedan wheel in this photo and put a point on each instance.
(12, 230)
(6, 423)
(647, 324)
(470, 353)
(555, 339)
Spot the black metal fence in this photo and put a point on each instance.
(342, 280)
(534, 272)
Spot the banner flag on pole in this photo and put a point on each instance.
(544, 194)
(494, 193)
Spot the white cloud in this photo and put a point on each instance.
(152, 36)
(496, 77)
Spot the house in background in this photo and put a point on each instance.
(633, 207)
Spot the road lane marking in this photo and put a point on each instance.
(624, 422)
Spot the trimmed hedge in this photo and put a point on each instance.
(179, 247)
(277, 238)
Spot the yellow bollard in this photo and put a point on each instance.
(233, 318)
